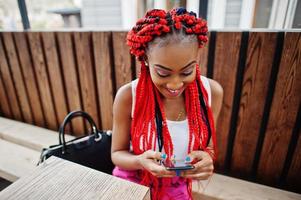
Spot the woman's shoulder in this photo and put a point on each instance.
(125, 90)
(217, 94)
(216, 88)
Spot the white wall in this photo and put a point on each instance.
(102, 14)
(218, 11)
(129, 13)
(193, 5)
(282, 14)
(160, 4)
(247, 14)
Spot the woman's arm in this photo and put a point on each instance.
(121, 130)
(217, 94)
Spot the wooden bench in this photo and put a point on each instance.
(20, 147)
(16, 160)
(21, 144)
(225, 187)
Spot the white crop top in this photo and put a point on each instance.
(178, 129)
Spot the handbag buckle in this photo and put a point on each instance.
(98, 138)
(109, 132)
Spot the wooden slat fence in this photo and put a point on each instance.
(45, 75)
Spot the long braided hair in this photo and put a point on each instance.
(159, 23)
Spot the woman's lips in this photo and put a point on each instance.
(174, 93)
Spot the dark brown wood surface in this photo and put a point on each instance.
(104, 66)
(285, 105)
(4, 103)
(55, 75)
(254, 90)
(137, 68)
(29, 78)
(225, 69)
(45, 75)
(70, 75)
(42, 76)
(293, 177)
(17, 76)
(122, 59)
(84, 57)
(9, 84)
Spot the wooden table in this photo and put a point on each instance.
(61, 179)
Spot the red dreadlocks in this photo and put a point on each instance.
(200, 119)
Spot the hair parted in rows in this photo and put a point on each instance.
(159, 23)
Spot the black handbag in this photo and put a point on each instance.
(93, 151)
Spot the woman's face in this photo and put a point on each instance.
(173, 67)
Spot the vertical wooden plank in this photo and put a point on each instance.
(260, 56)
(293, 179)
(9, 84)
(122, 58)
(104, 80)
(283, 112)
(42, 79)
(70, 76)
(225, 69)
(84, 53)
(138, 68)
(17, 76)
(29, 78)
(5, 110)
(55, 75)
(203, 57)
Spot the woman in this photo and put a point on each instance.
(168, 113)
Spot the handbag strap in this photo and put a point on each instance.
(71, 116)
(203, 105)
(159, 126)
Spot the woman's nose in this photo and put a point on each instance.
(175, 84)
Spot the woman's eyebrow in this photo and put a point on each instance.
(166, 68)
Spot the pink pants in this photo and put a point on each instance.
(177, 190)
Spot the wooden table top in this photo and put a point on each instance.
(60, 179)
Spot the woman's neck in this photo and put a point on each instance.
(173, 107)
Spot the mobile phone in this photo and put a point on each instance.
(177, 165)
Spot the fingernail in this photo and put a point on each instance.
(163, 156)
(187, 159)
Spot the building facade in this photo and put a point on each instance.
(220, 14)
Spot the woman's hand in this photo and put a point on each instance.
(203, 167)
(149, 161)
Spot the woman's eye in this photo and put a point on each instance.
(187, 73)
(162, 74)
